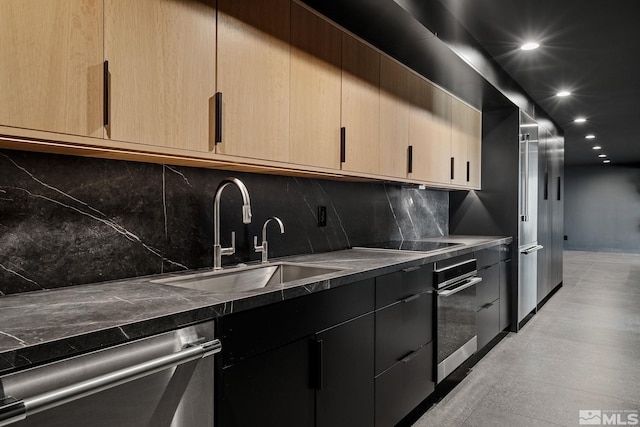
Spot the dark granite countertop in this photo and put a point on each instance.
(42, 326)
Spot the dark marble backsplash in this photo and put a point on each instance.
(68, 220)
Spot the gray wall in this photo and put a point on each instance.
(68, 220)
(602, 208)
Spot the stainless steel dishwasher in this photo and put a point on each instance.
(165, 380)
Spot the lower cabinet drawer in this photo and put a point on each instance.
(400, 389)
(488, 323)
(401, 329)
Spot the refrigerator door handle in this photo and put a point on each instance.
(532, 249)
(524, 217)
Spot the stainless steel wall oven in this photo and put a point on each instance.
(456, 332)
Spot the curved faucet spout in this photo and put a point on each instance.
(264, 226)
(218, 251)
(264, 247)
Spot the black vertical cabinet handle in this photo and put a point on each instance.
(559, 197)
(468, 171)
(218, 117)
(546, 185)
(343, 143)
(319, 362)
(452, 168)
(106, 88)
(410, 159)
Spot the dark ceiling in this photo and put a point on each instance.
(589, 47)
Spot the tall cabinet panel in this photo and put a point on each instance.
(315, 90)
(430, 132)
(394, 117)
(51, 65)
(557, 208)
(161, 57)
(253, 77)
(544, 214)
(360, 106)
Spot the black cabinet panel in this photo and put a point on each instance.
(488, 323)
(345, 396)
(505, 294)
(400, 389)
(487, 257)
(488, 290)
(272, 389)
(394, 287)
(252, 332)
(403, 328)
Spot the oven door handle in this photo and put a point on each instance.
(455, 289)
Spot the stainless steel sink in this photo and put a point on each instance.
(244, 279)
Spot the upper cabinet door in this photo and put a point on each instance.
(51, 65)
(360, 106)
(315, 90)
(161, 56)
(253, 77)
(474, 149)
(395, 83)
(465, 145)
(430, 133)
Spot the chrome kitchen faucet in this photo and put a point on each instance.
(218, 251)
(264, 247)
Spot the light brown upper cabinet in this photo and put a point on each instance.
(253, 78)
(395, 108)
(465, 145)
(161, 67)
(430, 132)
(315, 90)
(51, 65)
(474, 150)
(360, 106)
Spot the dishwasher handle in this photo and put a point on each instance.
(17, 410)
(455, 289)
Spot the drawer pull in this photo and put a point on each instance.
(409, 356)
(411, 298)
(410, 269)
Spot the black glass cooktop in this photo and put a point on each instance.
(411, 245)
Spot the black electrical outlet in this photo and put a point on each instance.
(566, 237)
(322, 216)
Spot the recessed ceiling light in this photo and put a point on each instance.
(602, 155)
(590, 136)
(580, 120)
(530, 46)
(563, 93)
(606, 161)
(597, 147)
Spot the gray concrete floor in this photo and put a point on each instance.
(580, 352)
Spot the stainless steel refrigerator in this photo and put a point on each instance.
(528, 246)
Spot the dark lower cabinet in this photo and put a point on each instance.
(400, 389)
(302, 362)
(505, 294)
(488, 304)
(271, 389)
(488, 323)
(344, 358)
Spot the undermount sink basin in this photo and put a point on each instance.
(244, 279)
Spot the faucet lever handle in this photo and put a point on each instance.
(255, 244)
(231, 250)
